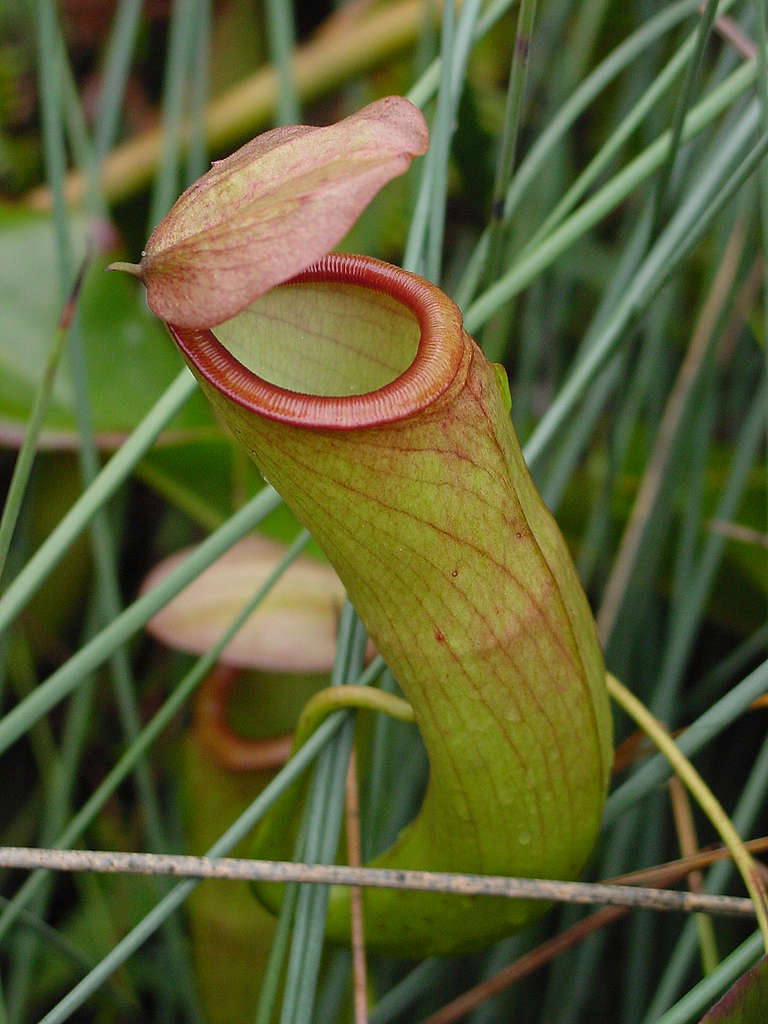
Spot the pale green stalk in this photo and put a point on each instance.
(697, 735)
(703, 796)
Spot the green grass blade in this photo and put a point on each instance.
(281, 33)
(322, 823)
(605, 200)
(153, 729)
(690, 611)
(101, 490)
(701, 996)
(66, 678)
(650, 32)
(181, 53)
(238, 831)
(682, 233)
(518, 73)
(117, 59)
(26, 456)
(683, 105)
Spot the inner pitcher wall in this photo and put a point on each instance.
(323, 338)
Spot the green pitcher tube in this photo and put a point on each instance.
(379, 420)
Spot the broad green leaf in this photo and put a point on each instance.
(129, 358)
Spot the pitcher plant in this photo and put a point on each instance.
(364, 402)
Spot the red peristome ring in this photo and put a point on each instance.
(443, 349)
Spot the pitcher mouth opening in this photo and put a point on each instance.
(388, 383)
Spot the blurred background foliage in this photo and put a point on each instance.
(654, 464)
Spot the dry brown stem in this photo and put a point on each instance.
(360, 987)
